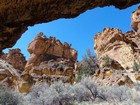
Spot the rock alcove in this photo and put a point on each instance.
(14, 21)
(17, 15)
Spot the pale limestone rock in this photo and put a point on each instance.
(136, 19)
(113, 43)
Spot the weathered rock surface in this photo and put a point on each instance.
(44, 49)
(136, 19)
(122, 48)
(15, 58)
(108, 77)
(17, 15)
(8, 74)
(113, 43)
(50, 61)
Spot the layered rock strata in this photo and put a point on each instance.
(112, 45)
(109, 77)
(8, 74)
(49, 61)
(123, 48)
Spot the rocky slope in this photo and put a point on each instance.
(17, 15)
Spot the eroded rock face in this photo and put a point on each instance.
(44, 49)
(17, 15)
(8, 74)
(123, 49)
(136, 19)
(113, 43)
(108, 77)
(15, 58)
(50, 61)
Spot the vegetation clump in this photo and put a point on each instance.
(107, 61)
(8, 96)
(136, 66)
(88, 66)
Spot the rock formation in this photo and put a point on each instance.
(50, 61)
(108, 77)
(136, 20)
(8, 74)
(15, 58)
(17, 15)
(112, 45)
(45, 49)
(123, 48)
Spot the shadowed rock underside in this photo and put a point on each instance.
(17, 15)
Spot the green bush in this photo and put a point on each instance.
(136, 66)
(88, 66)
(107, 61)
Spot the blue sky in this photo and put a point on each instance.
(79, 31)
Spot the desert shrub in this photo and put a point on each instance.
(136, 66)
(114, 94)
(65, 95)
(137, 86)
(60, 93)
(85, 92)
(91, 86)
(8, 96)
(89, 65)
(80, 93)
(56, 94)
(107, 61)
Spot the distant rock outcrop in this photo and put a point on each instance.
(15, 58)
